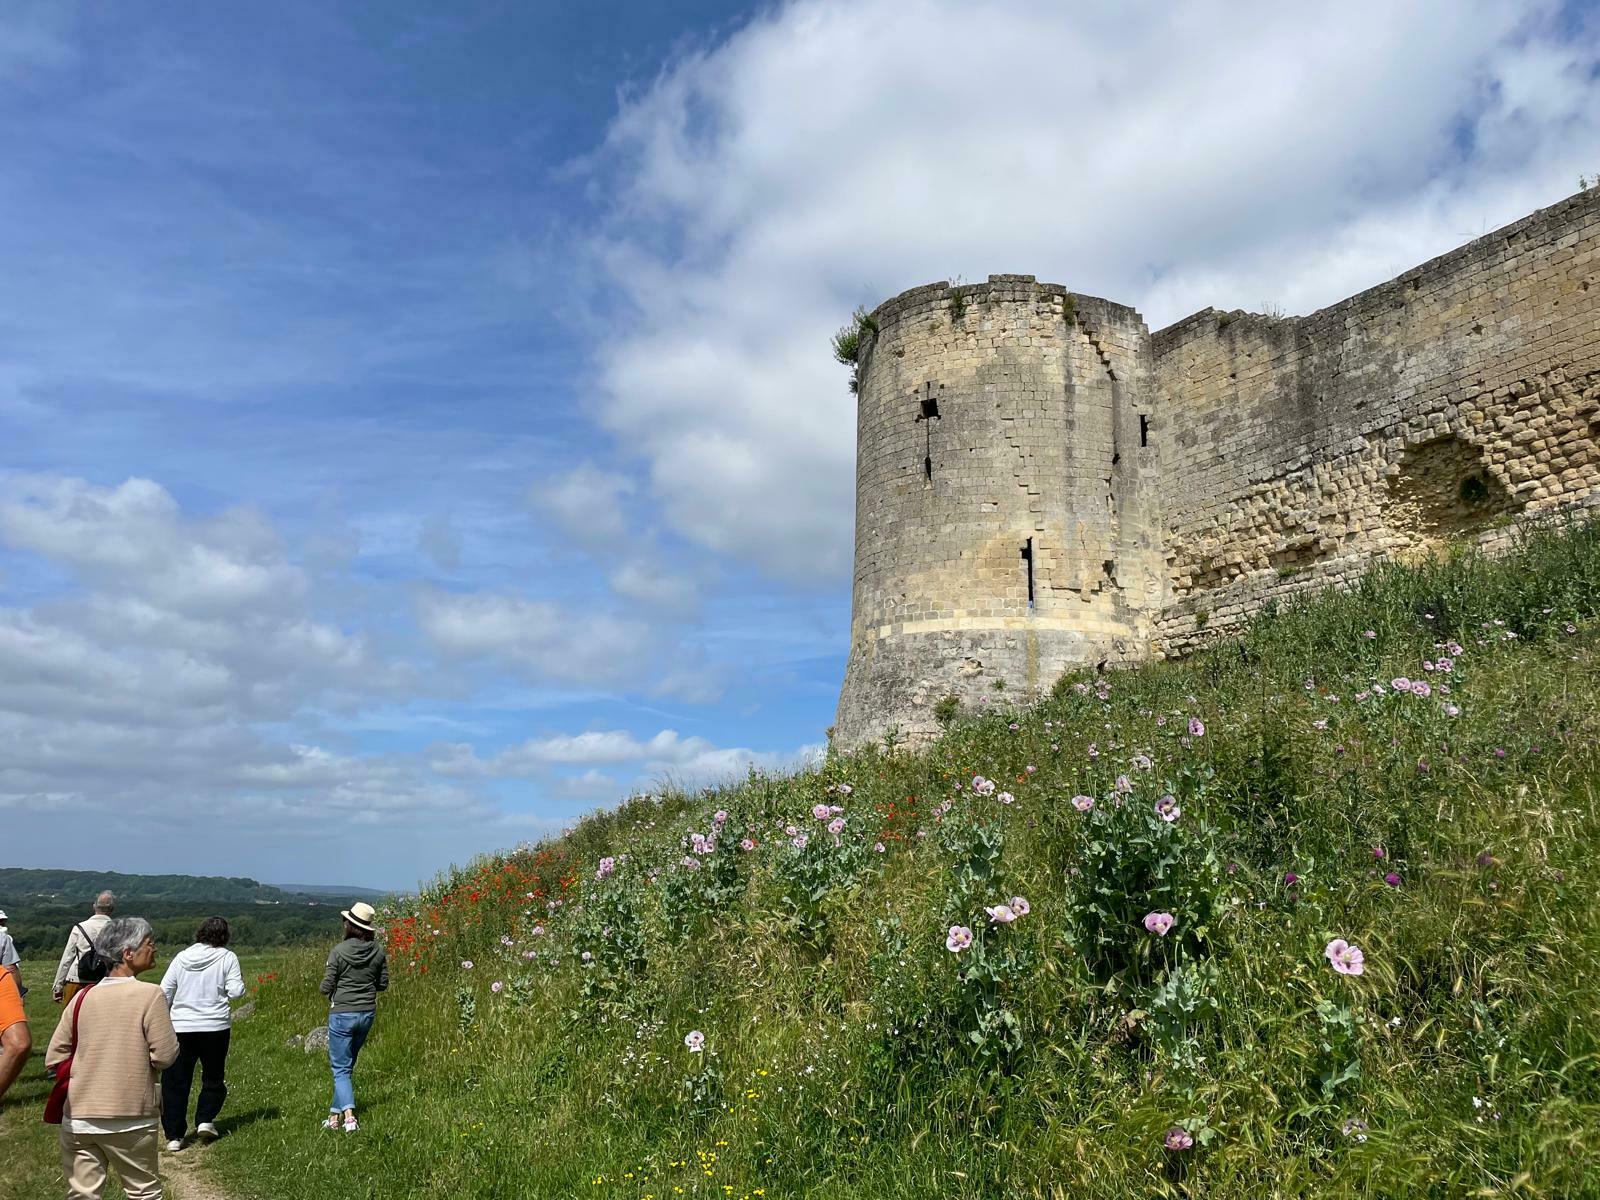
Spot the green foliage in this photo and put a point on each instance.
(958, 304)
(41, 931)
(1129, 862)
(79, 888)
(1054, 1053)
(850, 340)
(43, 905)
(946, 709)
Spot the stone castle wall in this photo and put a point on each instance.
(1439, 404)
(1154, 491)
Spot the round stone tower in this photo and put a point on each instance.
(1006, 523)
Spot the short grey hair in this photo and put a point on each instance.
(106, 903)
(121, 934)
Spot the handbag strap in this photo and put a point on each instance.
(77, 1007)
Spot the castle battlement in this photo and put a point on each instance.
(1042, 484)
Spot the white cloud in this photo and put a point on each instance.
(538, 637)
(133, 538)
(586, 503)
(173, 679)
(837, 151)
(666, 753)
(653, 587)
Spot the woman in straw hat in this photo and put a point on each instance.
(357, 971)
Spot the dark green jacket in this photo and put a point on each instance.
(357, 971)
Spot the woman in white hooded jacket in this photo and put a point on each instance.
(198, 985)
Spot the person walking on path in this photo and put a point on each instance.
(198, 985)
(357, 971)
(79, 941)
(16, 1038)
(124, 1038)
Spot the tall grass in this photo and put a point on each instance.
(1069, 1052)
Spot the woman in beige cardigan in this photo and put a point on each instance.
(125, 1039)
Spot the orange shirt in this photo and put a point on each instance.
(11, 1011)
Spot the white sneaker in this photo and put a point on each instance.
(174, 1145)
(206, 1131)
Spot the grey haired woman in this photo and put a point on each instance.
(119, 1036)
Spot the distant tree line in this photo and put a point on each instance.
(24, 884)
(41, 930)
(43, 905)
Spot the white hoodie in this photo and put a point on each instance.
(198, 984)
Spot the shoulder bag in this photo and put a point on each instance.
(55, 1106)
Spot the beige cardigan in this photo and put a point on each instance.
(125, 1038)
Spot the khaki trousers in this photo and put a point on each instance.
(69, 990)
(85, 1156)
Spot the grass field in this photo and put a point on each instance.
(1102, 948)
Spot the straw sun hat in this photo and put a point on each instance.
(360, 915)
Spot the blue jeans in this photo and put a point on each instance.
(347, 1033)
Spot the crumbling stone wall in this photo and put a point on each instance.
(1164, 488)
(1444, 403)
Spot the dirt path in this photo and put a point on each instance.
(187, 1176)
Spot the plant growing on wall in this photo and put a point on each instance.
(958, 304)
(847, 342)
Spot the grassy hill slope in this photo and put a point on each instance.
(1410, 770)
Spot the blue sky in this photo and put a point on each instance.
(419, 423)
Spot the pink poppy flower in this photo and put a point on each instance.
(1346, 959)
(1159, 922)
(1167, 809)
(1178, 1138)
(695, 1041)
(1197, 727)
(959, 939)
(1083, 803)
(1020, 906)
